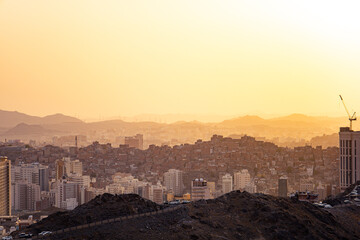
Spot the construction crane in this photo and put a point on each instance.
(351, 118)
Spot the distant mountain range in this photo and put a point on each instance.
(287, 131)
(10, 119)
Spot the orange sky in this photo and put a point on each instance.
(109, 58)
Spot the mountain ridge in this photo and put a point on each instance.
(9, 119)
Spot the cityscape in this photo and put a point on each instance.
(179, 120)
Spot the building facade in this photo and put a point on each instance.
(5, 187)
(173, 180)
(199, 189)
(241, 179)
(283, 189)
(349, 142)
(227, 183)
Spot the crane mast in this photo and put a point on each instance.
(351, 118)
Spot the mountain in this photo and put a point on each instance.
(235, 215)
(243, 121)
(23, 129)
(326, 140)
(292, 130)
(10, 119)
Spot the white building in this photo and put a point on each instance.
(250, 187)
(173, 180)
(32, 173)
(65, 190)
(69, 204)
(227, 183)
(79, 179)
(349, 168)
(241, 179)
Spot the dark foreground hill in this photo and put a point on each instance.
(236, 215)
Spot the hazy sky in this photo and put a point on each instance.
(90, 58)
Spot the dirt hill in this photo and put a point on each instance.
(236, 215)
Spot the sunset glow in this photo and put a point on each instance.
(91, 58)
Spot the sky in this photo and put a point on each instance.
(122, 58)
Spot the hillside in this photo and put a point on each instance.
(292, 130)
(236, 215)
(9, 119)
(25, 129)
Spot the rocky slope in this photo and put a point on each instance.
(236, 215)
(102, 207)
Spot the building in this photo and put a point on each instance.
(60, 168)
(135, 141)
(65, 190)
(81, 180)
(173, 180)
(66, 167)
(5, 186)
(241, 179)
(76, 167)
(227, 183)
(34, 173)
(157, 194)
(44, 178)
(251, 187)
(307, 185)
(212, 187)
(26, 195)
(349, 142)
(283, 189)
(199, 189)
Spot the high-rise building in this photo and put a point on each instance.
(227, 183)
(60, 168)
(5, 187)
(349, 142)
(241, 179)
(283, 190)
(34, 173)
(199, 189)
(135, 141)
(26, 195)
(44, 178)
(173, 180)
(65, 190)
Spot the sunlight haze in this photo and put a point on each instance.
(110, 58)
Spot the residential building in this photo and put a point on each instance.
(212, 188)
(5, 186)
(26, 195)
(199, 189)
(349, 142)
(135, 141)
(173, 180)
(282, 189)
(241, 179)
(227, 183)
(66, 167)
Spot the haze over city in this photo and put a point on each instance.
(94, 59)
(177, 119)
